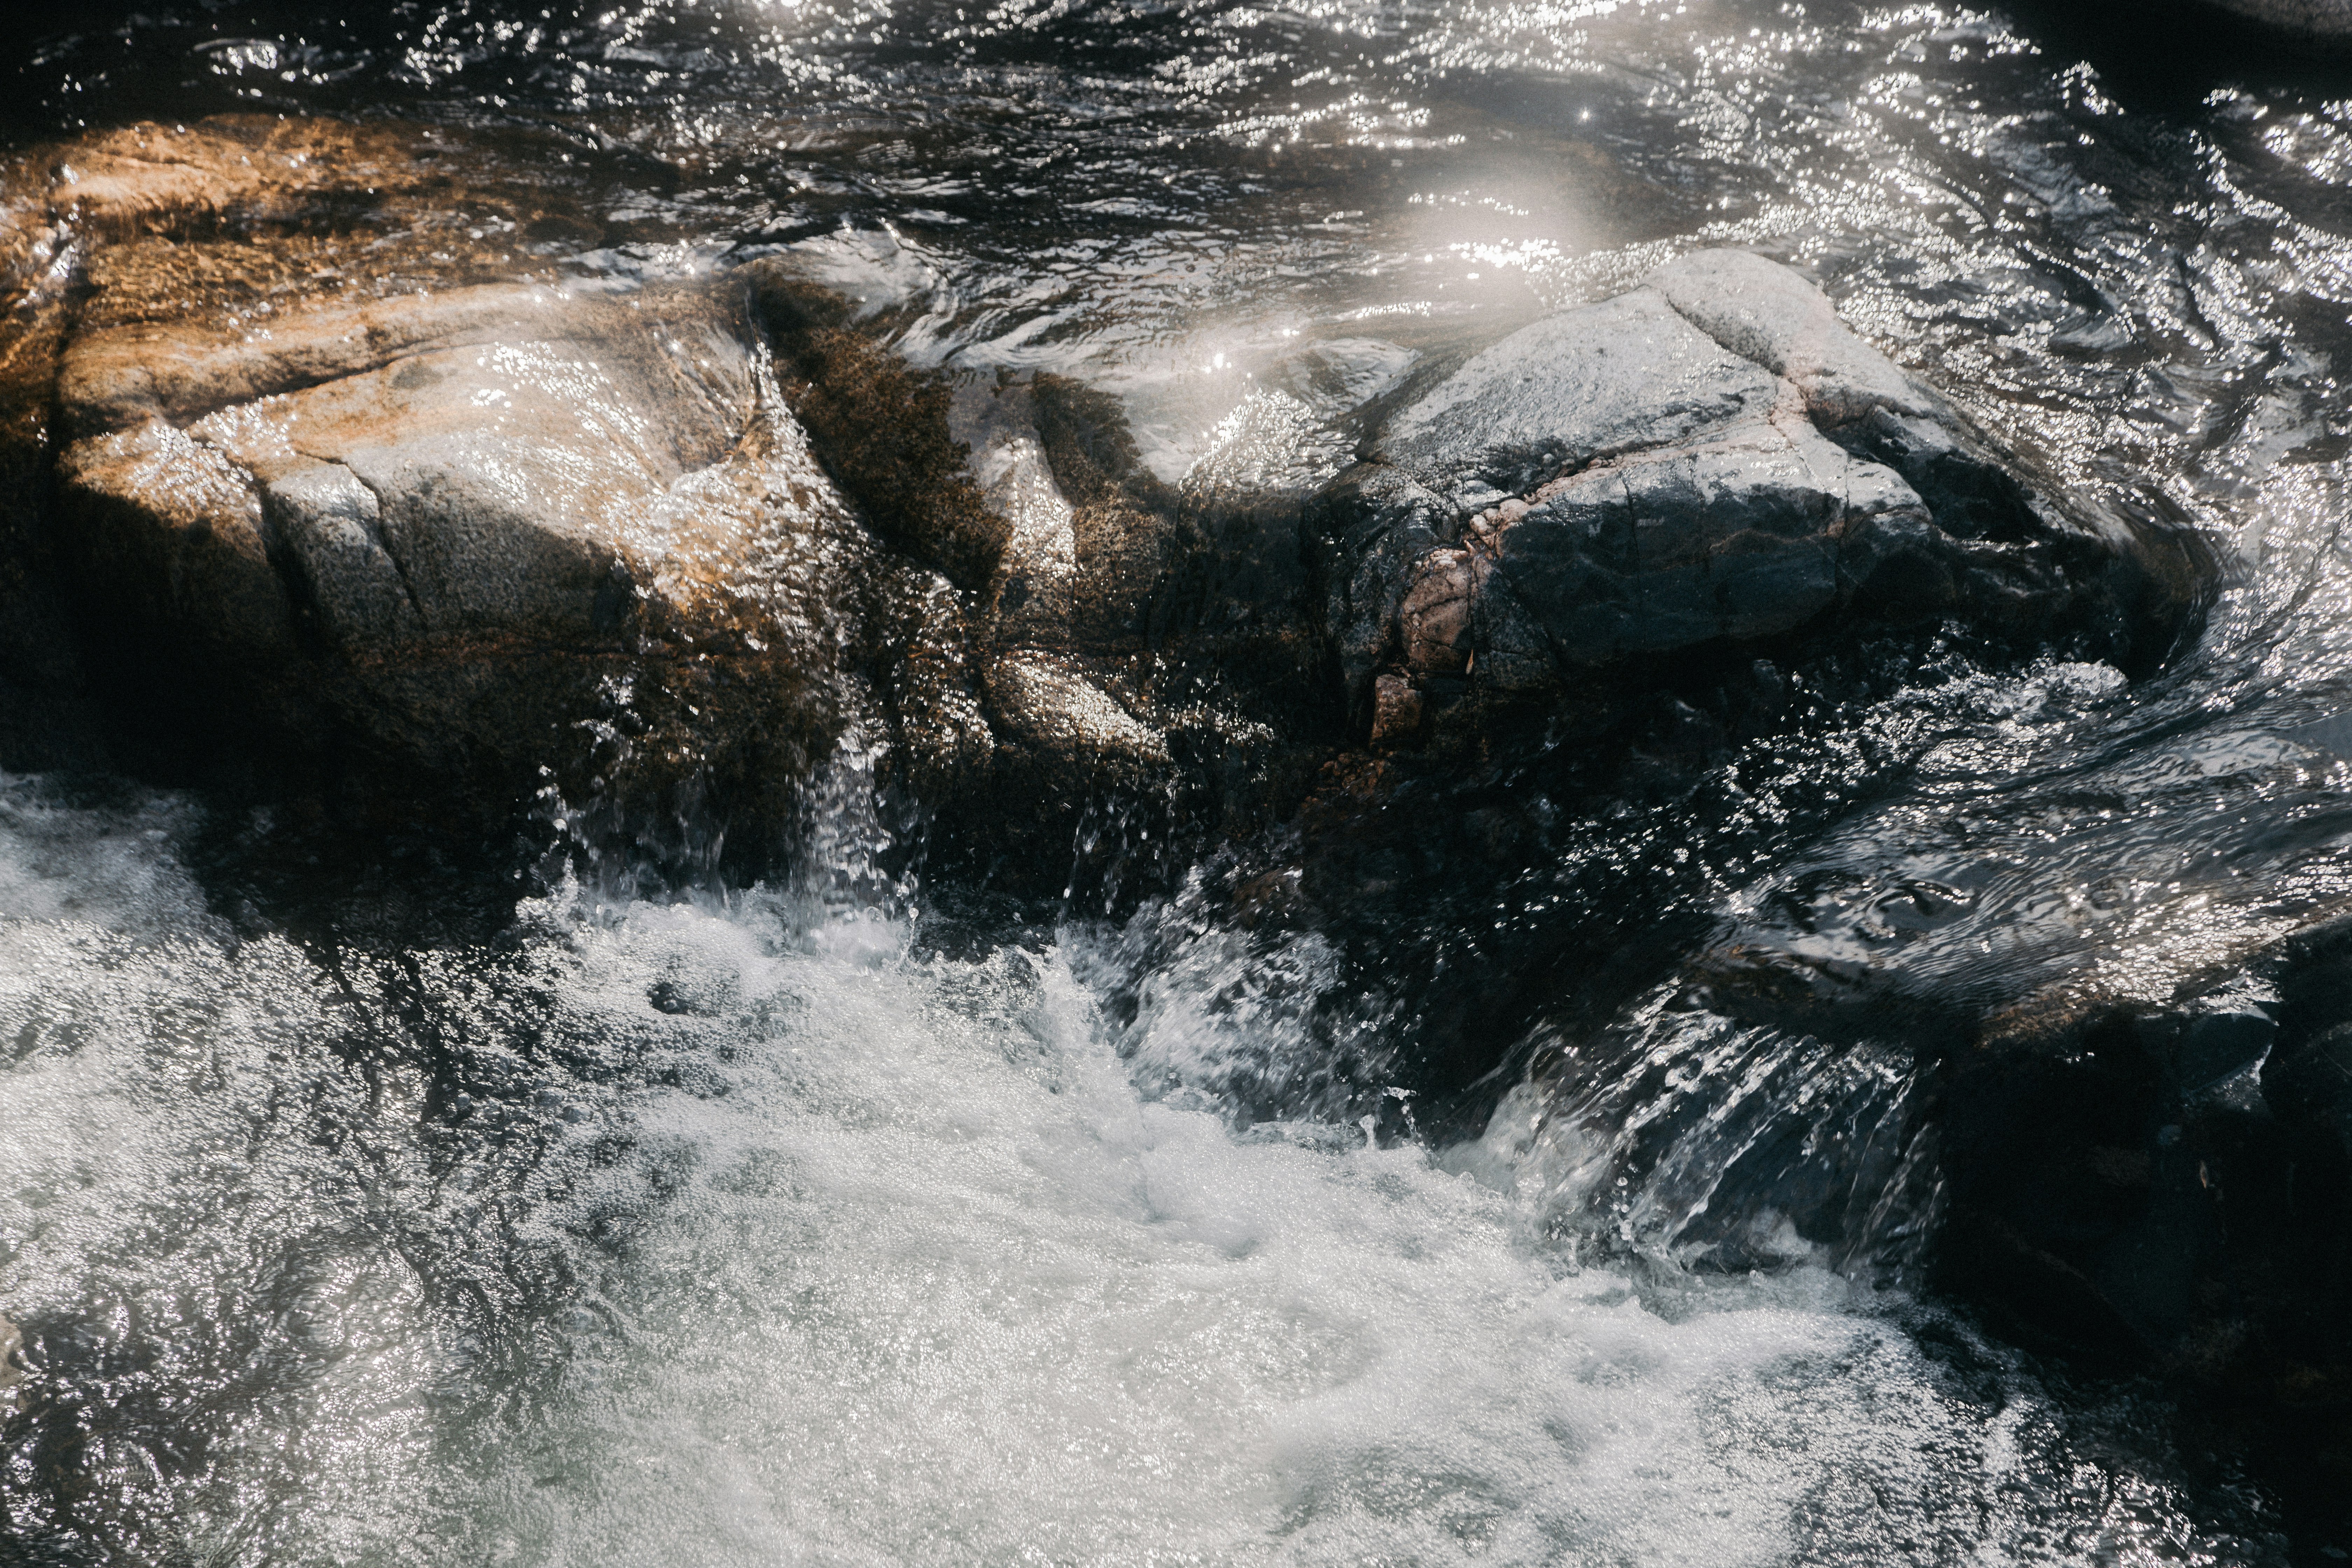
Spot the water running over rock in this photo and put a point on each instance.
(1865, 1101)
(705, 1234)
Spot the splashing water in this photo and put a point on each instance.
(699, 1234)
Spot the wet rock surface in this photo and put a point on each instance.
(2170, 1186)
(403, 505)
(1711, 460)
(2134, 1159)
(12, 1341)
(345, 472)
(344, 499)
(457, 526)
(1140, 657)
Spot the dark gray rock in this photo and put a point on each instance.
(1625, 375)
(1711, 460)
(2170, 1185)
(12, 1339)
(1768, 315)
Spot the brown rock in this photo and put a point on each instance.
(1396, 711)
(1436, 616)
(346, 474)
(357, 490)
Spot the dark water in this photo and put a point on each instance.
(731, 1229)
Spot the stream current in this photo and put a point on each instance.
(396, 1222)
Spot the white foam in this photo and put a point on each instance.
(864, 1260)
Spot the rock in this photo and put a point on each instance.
(1026, 493)
(2168, 1187)
(2184, 1168)
(1142, 650)
(1711, 460)
(1050, 706)
(415, 512)
(358, 493)
(884, 429)
(1433, 617)
(45, 718)
(1396, 711)
(1764, 313)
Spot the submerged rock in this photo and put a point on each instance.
(1712, 459)
(12, 1339)
(2170, 1186)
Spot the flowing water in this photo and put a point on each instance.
(770, 1225)
(713, 1234)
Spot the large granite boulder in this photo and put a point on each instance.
(1711, 460)
(348, 479)
(362, 484)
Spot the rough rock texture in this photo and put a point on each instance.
(2170, 1186)
(1143, 655)
(1711, 460)
(344, 485)
(348, 484)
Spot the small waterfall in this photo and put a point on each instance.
(1688, 1138)
(857, 901)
